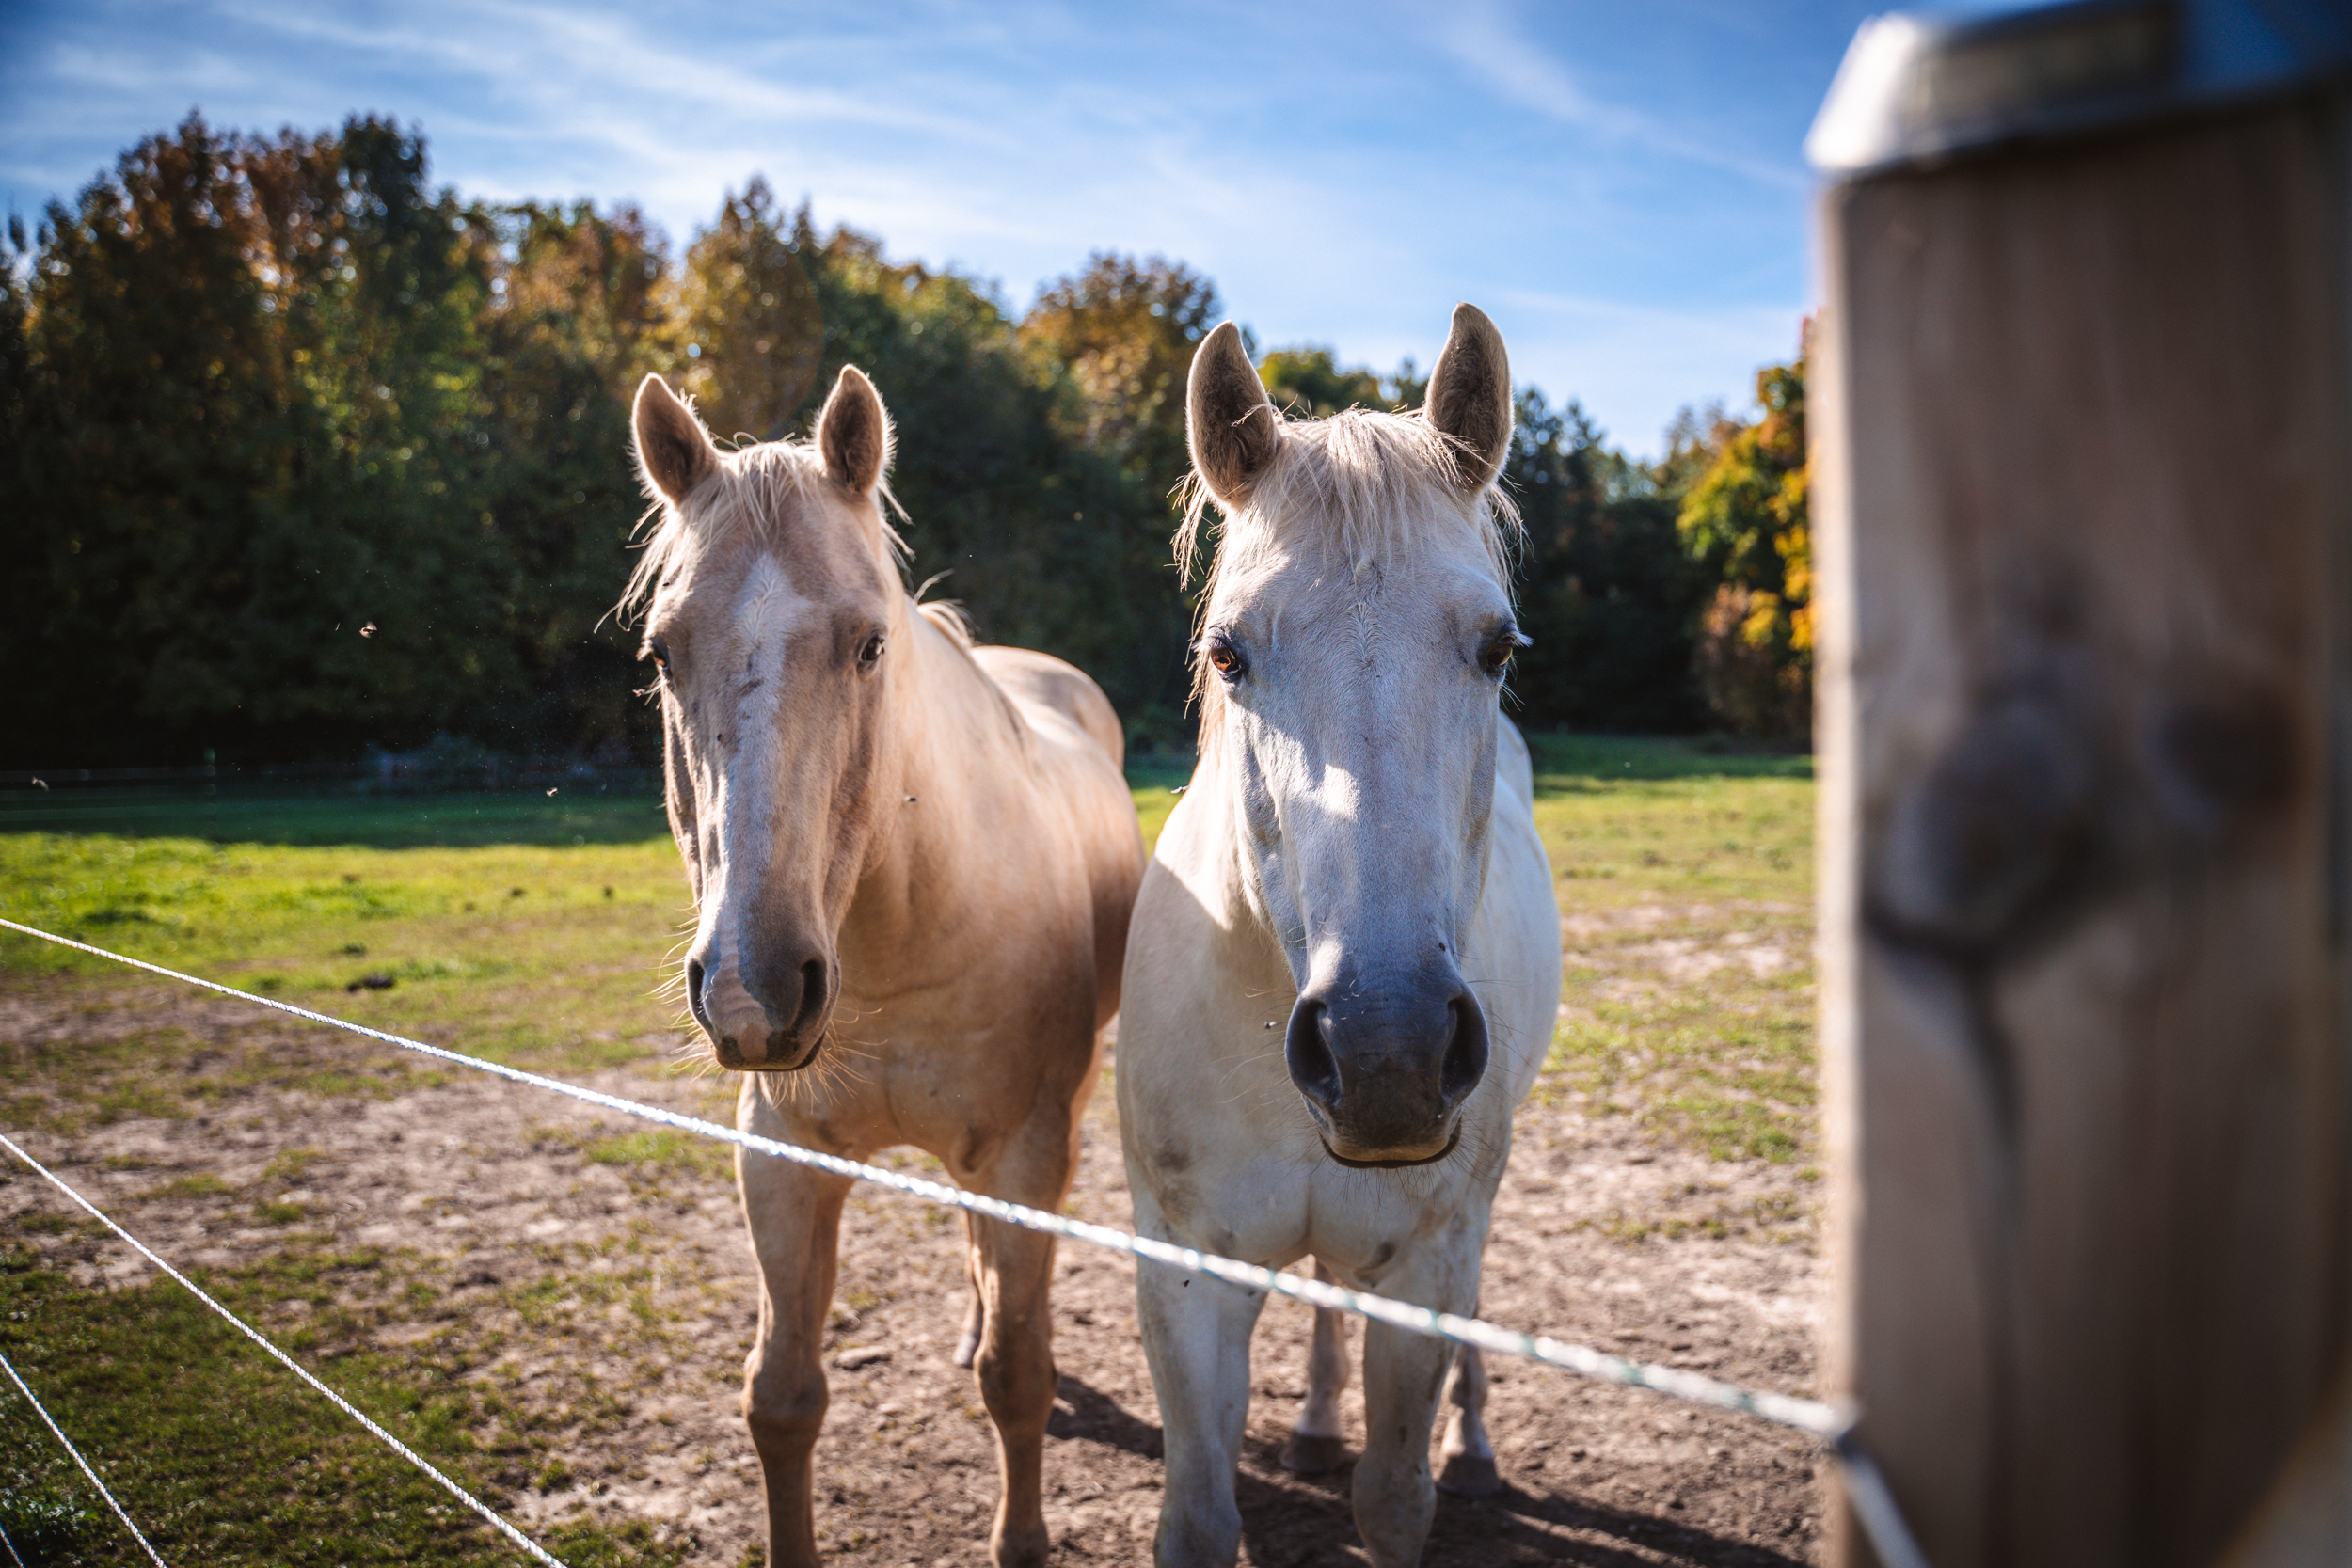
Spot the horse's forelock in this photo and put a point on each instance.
(1368, 481)
(756, 483)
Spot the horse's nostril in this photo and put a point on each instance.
(694, 992)
(811, 1014)
(1465, 1061)
(1307, 1052)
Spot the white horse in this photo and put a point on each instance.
(1345, 966)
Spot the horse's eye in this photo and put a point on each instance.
(871, 655)
(1226, 659)
(658, 652)
(1495, 657)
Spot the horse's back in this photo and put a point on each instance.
(1085, 751)
(1040, 681)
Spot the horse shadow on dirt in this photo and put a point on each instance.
(1094, 1416)
(1293, 1521)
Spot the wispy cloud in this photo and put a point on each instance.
(1483, 36)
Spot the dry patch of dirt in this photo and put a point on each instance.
(603, 1272)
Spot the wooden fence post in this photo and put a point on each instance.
(2083, 405)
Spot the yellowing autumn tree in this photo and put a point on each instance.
(1747, 523)
(1124, 330)
(754, 328)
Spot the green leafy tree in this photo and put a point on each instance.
(375, 285)
(26, 425)
(307, 454)
(312, 455)
(152, 405)
(1309, 383)
(1606, 592)
(580, 313)
(244, 359)
(1116, 341)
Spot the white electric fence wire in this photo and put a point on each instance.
(1805, 1415)
(59, 1432)
(1874, 1505)
(1826, 1422)
(489, 1516)
(11, 1546)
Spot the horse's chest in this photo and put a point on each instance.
(1363, 1230)
(1268, 1210)
(1253, 1207)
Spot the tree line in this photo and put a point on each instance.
(306, 455)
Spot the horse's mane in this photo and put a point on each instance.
(750, 490)
(1375, 482)
(949, 617)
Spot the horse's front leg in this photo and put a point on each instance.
(795, 1218)
(1404, 1374)
(1014, 1270)
(1196, 1337)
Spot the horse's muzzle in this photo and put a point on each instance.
(775, 1022)
(1384, 1069)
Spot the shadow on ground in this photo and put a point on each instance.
(1293, 1521)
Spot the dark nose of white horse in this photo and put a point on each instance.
(760, 1016)
(1385, 1068)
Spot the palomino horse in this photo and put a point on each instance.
(913, 863)
(1345, 960)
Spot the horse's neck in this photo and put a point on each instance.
(954, 743)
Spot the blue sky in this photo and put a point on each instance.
(1619, 186)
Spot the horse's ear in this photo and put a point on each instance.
(1470, 397)
(853, 433)
(674, 450)
(1229, 421)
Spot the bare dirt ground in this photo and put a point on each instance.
(604, 1280)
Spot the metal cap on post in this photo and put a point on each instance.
(2082, 397)
(1915, 89)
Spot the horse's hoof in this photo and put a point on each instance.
(968, 1350)
(1308, 1455)
(1469, 1475)
(1025, 1548)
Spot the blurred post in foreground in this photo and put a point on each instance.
(2083, 451)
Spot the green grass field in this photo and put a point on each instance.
(536, 930)
(225, 1458)
(1686, 885)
